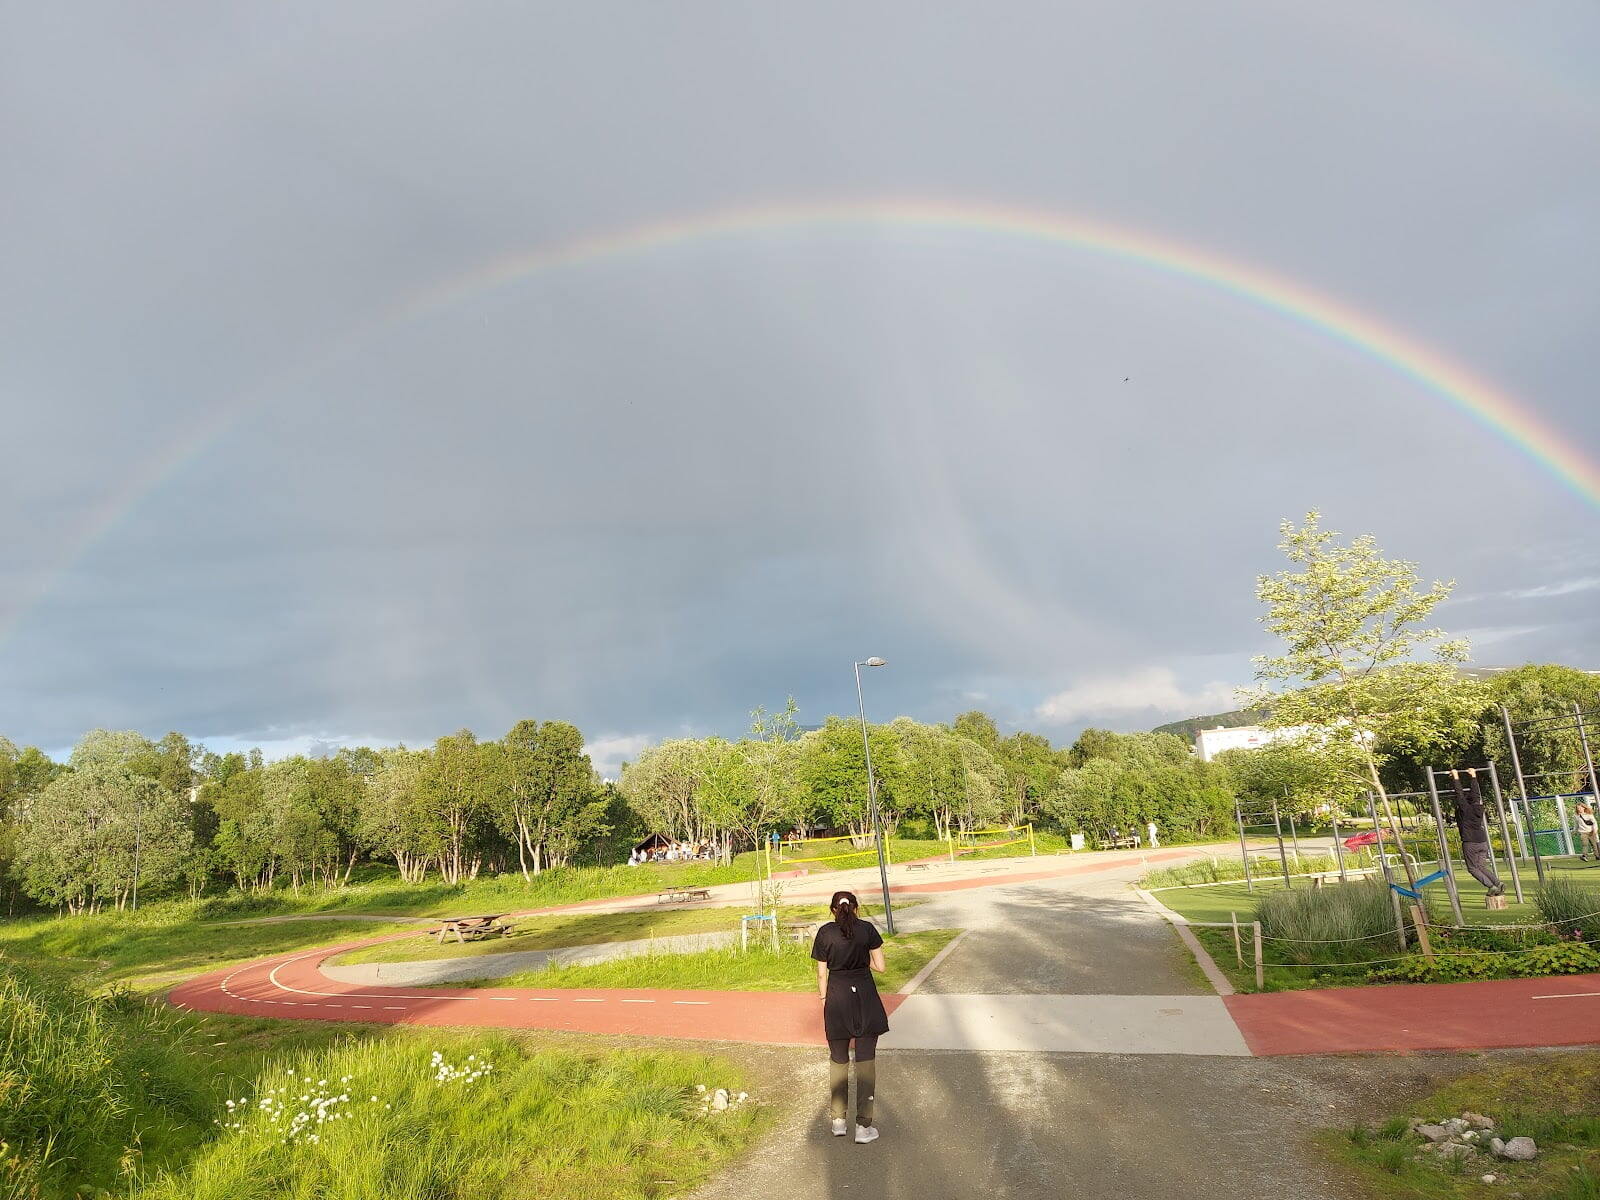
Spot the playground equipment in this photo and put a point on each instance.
(1545, 817)
(1283, 854)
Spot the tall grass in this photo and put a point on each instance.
(476, 1117)
(1335, 924)
(1570, 906)
(89, 1088)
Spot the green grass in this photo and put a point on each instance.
(161, 945)
(584, 929)
(788, 969)
(1554, 1099)
(1216, 903)
(117, 1097)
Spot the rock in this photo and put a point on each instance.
(1497, 1147)
(1477, 1120)
(1434, 1133)
(1469, 1135)
(1518, 1149)
(1455, 1125)
(1453, 1150)
(1488, 1178)
(720, 1100)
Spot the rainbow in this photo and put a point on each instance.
(1445, 379)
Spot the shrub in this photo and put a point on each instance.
(1223, 870)
(1570, 907)
(1328, 924)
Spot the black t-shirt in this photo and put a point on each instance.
(843, 953)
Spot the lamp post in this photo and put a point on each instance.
(872, 797)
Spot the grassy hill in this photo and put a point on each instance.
(1188, 729)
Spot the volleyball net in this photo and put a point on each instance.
(972, 841)
(834, 853)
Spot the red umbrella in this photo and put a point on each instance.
(1369, 838)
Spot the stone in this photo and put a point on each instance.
(1519, 1149)
(720, 1100)
(1434, 1133)
(1469, 1135)
(1453, 1149)
(1488, 1178)
(1455, 1125)
(1477, 1120)
(1497, 1147)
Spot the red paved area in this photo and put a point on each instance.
(292, 986)
(1559, 1011)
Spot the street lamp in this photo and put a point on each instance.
(872, 798)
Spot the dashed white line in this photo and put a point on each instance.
(587, 1000)
(1568, 996)
(627, 1001)
(691, 1002)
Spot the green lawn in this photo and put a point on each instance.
(1554, 1099)
(789, 969)
(161, 945)
(1217, 902)
(123, 1098)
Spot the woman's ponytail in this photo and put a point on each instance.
(845, 907)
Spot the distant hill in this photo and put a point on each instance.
(1190, 728)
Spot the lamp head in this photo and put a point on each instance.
(876, 662)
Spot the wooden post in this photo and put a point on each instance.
(1238, 949)
(1295, 838)
(1033, 848)
(1261, 970)
(1422, 933)
(951, 838)
(1338, 846)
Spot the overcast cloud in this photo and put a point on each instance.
(651, 491)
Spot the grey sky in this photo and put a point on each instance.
(651, 491)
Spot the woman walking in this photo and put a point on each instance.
(848, 950)
(1587, 838)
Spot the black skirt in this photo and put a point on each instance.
(853, 1007)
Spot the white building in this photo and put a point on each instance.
(1212, 742)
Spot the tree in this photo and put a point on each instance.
(8, 772)
(391, 813)
(661, 786)
(109, 748)
(1541, 695)
(549, 801)
(456, 790)
(1360, 662)
(100, 834)
(833, 770)
(34, 772)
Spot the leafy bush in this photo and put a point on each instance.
(1559, 958)
(1328, 924)
(1570, 907)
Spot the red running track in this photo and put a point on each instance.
(292, 986)
(1480, 1015)
(1400, 1018)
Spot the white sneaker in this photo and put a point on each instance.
(866, 1133)
(840, 1128)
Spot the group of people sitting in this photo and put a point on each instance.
(672, 852)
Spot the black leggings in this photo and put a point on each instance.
(839, 1077)
(866, 1049)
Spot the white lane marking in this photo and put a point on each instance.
(691, 1002)
(587, 1000)
(358, 1006)
(395, 1007)
(1567, 996)
(627, 1001)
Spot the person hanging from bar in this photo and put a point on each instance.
(1474, 826)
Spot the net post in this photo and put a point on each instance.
(1244, 851)
(1033, 848)
(1522, 787)
(1238, 949)
(1261, 967)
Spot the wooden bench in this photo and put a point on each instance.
(1124, 843)
(918, 866)
(682, 895)
(471, 929)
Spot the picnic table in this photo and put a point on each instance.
(1322, 878)
(682, 895)
(1125, 843)
(470, 929)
